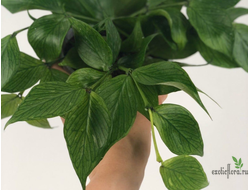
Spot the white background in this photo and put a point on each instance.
(37, 159)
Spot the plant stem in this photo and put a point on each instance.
(158, 156)
(18, 31)
(124, 69)
(169, 5)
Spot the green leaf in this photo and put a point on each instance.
(183, 172)
(241, 165)
(137, 59)
(178, 24)
(20, 5)
(237, 167)
(119, 94)
(214, 57)
(235, 159)
(73, 60)
(28, 74)
(163, 89)
(85, 77)
(234, 13)
(86, 131)
(213, 25)
(9, 58)
(223, 4)
(54, 75)
(240, 48)
(134, 41)
(113, 38)
(239, 161)
(46, 36)
(41, 123)
(9, 104)
(91, 47)
(48, 100)
(178, 129)
(167, 73)
(155, 3)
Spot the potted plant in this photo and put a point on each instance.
(120, 57)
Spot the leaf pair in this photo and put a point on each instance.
(238, 164)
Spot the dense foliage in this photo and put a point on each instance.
(119, 55)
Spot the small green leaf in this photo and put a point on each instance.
(237, 167)
(213, 25)
(9, 104)
(113, 38)
(54, 75)
(73, 60)
(178, 24)
(134, 41)
(119, 94)
(214, 57)
(46, 36)
(236, 12)
(178, 129)
(41, 123)
(86, 131)
(235, 159)
(27, 75)
(20, 5)
(183, 172)
(241, 165)
(10, 58)
(167, 73)
(85, 77)
(239, 161)
(240, 48)
(91, 47)
(137, 59)
(48, 100)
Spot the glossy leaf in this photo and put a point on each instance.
(9, 104)
(167, 73)
(234, 13)
(178, 24)
(55, 98)
(134, 41)
(10, 58)
(46, 36)
(41, 123)
(223, 4)
(137, 59)
(20, 5)
(91, 47)
(178, 129)
(240, 49)
(214, 57)
(156, 3)
(85, 77)
(164, 89)
(28, 74)
(183, 172)
(86, 131)
(113, 38)
(213, 25)
(119, 95)
(54, 75)
(73, 60)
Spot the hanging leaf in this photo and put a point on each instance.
(119, 95)
(240, 49)
(41, 123)
(55, 98)
(46, 36)
(234, 13)
(178, 24)
(86, 131)
(167, 73)
(9, 104)
(178, 129)
(91, 47)
(73, 60)
(54, 75)
(15, 6)
(137, 59)
(212, 24)
(10, 58)
(28, 74)
(85, 77)
(134, 41)
(183, 172)
(113, 38)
